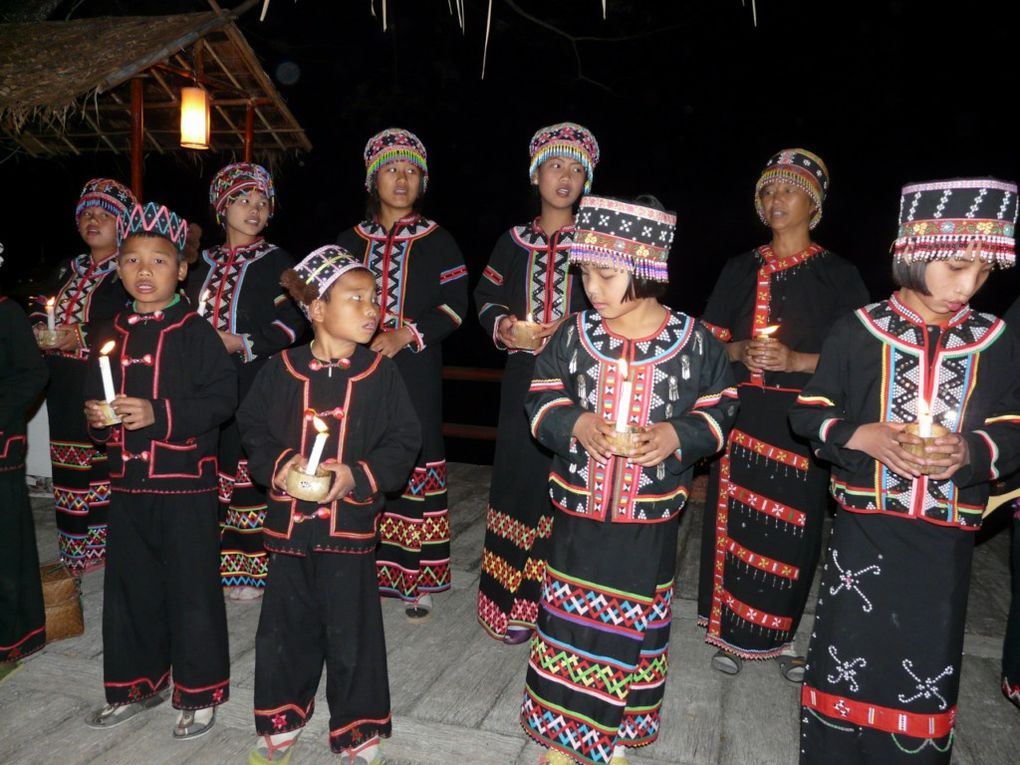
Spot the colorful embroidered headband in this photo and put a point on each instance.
(611, 233)
(939, 219)
(802, 169)
(240, 178)
(567, 139)
(393, 145)
(114, 197)
(156, 220)
(322, 267)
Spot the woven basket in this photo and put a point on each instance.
(62, 597)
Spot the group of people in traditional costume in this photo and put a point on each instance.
(185, 397)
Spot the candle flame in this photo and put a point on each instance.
(108, 346)
(320, 426)
(767, 331)
(50, 302)
(529, 319)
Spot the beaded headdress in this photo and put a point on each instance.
(567, 139)
(154, 219)
(322, 267)
(236, 179)
(939, 219)
(612, 233)
(393, 145)
(114, 197)
(801, 168)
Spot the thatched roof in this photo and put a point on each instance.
(64, 85)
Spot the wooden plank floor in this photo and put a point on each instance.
(456, 692)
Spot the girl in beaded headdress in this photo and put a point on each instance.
(886, 647)
(85, 291)
(757, 566)
(630, 370)
(528, 279)
(422, 285)
(235, 286)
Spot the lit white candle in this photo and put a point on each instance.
(318, 446)
(51, 317)
(202, 300)
(104, 370)
(923, 419)
(626, 390)
(766, 332)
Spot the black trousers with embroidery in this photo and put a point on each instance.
(22, 618)
(1011, 645)
(163, 607)
(322, 608)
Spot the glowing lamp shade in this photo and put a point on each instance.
(194, 118)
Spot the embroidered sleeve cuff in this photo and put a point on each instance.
(418, 344)
(365, 484)
(495, 332)
(288, 332)
(984, 457)
(247, 351)
(836, 432)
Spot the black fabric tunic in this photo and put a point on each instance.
(87, 295)
(528, 275)
(884, 663)
(422, 285)
(22, 377)
(322, 599)
(762, 532)
(238, 291)
(163, 605)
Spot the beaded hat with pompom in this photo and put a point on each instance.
(110, 195)
(800, 168)
(566, 139)
(322, 267)
(240, 178)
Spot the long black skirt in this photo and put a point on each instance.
(883, 669)
(762, 533)
(519, 519)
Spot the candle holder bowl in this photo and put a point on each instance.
(525, 333)
(109, 416)
(623, 443)
(937, 431)
(50, 338)
(310, 488)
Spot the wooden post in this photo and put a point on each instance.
(137, 138)
(249, 131)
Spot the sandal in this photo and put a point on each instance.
(420, 610)
(792, 668)
(726, 663)
(113, 715)
(187, 727)
(264, 752)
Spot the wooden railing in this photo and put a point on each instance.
(471, 374)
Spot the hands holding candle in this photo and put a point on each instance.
(766, 353)
(314, 479)
(55, 337)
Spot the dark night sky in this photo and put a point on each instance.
(688, 109)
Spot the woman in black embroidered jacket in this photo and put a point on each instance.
(235, 286)
(422, 285)
(528, 278)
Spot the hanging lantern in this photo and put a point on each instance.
(194, 118)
